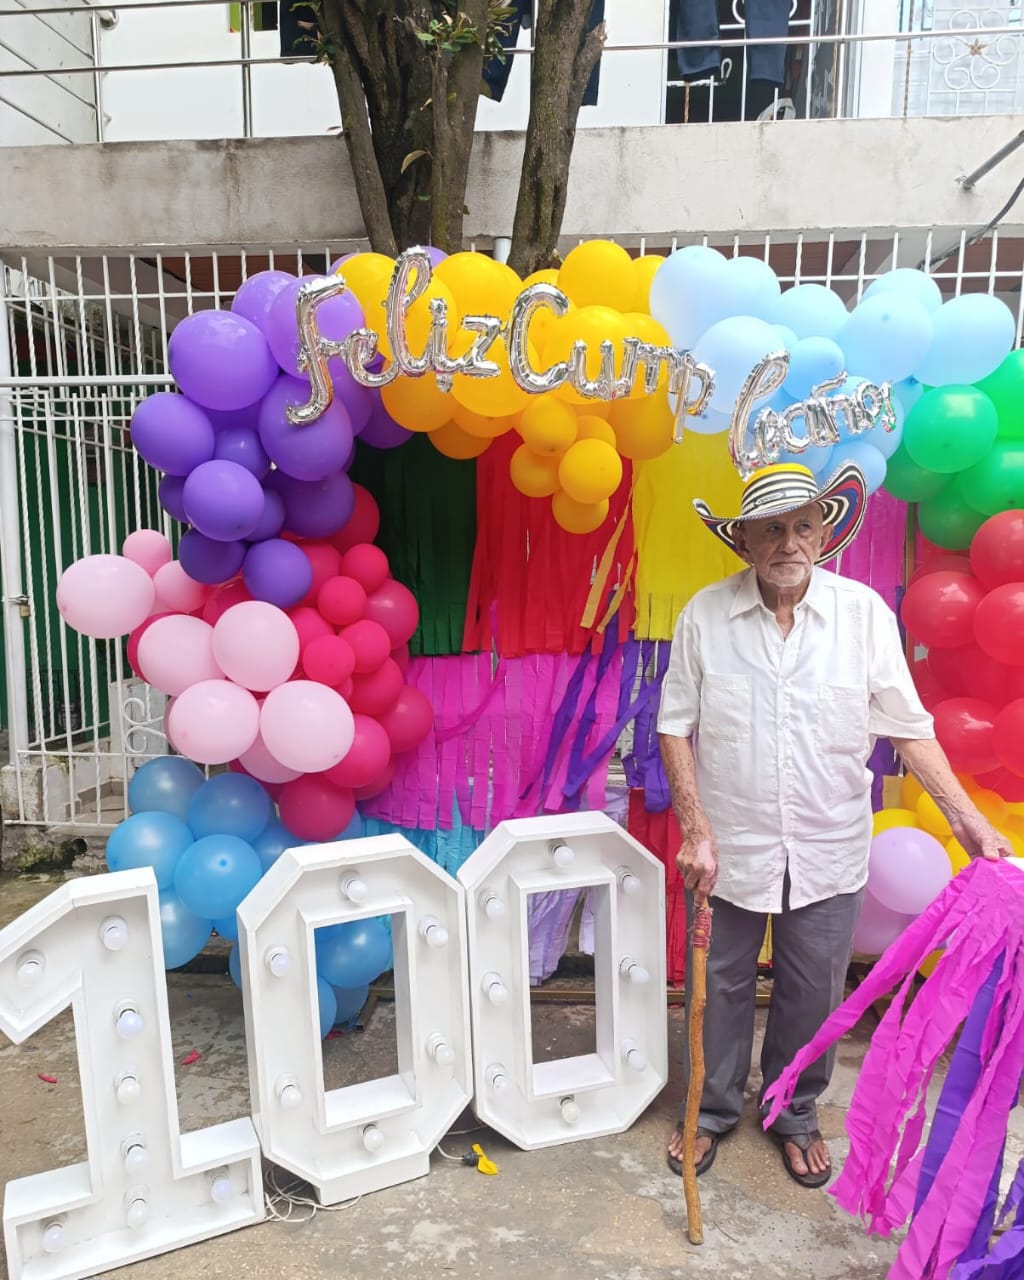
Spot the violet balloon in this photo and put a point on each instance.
(319, 508)
(171, 433)
(382, 431)
(170, 492)
(357, 399)
(278, 572)
(336, 319)
(256, 296)
(242, 445)
(271, 522)
(908, 869)
(221, 360)
(310, 452)
(223, 501)
(205, 560)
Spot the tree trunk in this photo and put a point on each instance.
(565, 54)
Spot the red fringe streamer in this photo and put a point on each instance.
(659, 832)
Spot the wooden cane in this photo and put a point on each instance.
(696, 999)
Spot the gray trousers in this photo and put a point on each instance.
(811, 949)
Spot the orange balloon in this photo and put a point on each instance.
(453, 442)
(548, 425)
(481, 286)
(499, 396)
(416, 403)
(991, 804)
(578, 517)
(591, 427)
(482, 425)
(598, 273)
(644, 271)
(591, 326)
(589, 471)
(534, 474)
(643, 428)
(647, 329)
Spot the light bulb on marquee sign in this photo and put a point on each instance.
(144, 1188)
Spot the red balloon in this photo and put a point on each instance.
(313, 809)
(309, 625)
(367, 564)
(938, 610)
(401, 656)
(366, 759)
(379, 784)
(997, 549)
(989, 680)
(341, 600)
(377, 692)
(408, 722)
(328, 659)
(966, 729)
(133, 642)
(224, 597)
(325, 561)
(370, 643)
(1004, 783)
(935, 564)
(999, 624)
(394, 607)
(363, 524)
(946, 667)
(1009, 737)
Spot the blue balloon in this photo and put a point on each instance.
(353, 953)
(749, 287)
(911, 283)
(811, 311)
(350, 1001)
(227, 927)
(230, 804)
(787, 338)
(732, 348)
(272, 842)
(865, 456)
(907, 393)
(886, 337)
(811, 362)
(184, 933)
(887, 442)
(971, 337)
(355, 828)
(235, 966)
(328, 1003)
(164, 785)
(215, 874)
(685, 291)
(708, 423)
(154, 840)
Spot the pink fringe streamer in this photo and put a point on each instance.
(875, 556)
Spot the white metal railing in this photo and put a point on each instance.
(135, 66)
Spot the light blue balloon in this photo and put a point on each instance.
(272, 842)
(812, 361)
(352, 953)
(164, 785)
(816, 458)
(230, 804)
(911, 283)
(708, 423)
(971, 337)
(886, 337)
(227, 927)
(235, 966)
(787, 338)
(887, 442)
(865, 456)
(749, 287)
(214, 875)
(685, 292)
(733, 347)
(154, 840)
(350, 1001)
(328, 1005)
(907, 393)
(811, 311)
(184, 933)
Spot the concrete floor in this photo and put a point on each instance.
(606, 1209)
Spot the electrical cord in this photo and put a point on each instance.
(930, 264)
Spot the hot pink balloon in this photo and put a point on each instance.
(408, 722)
(341, 600)
(379, 784)
(176, 591)
(306, 726)
(214, 721)
(370, 643)
(366, 759)
(256, 644)
(176, 652)
(394, 607)
(326, 563)
(105, 596)
(367, 564)
(223, 598)
(260, 764)
(377, 692)
(147, 548)
(313, 809)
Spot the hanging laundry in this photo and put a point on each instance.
(699, 20)
(498, 70)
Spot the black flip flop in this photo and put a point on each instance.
(706, 1160)
(804, 1141)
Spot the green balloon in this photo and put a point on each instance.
(947, 521)
(904, 479)
(996, 483)
(1005, 388)
(950, 428)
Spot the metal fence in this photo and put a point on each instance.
(82, 340)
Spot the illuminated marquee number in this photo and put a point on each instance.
(357, 1139)
(542, 1104)
(145, 1187)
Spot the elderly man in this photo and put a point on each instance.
(779, 681)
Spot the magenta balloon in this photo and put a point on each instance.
(319, 508)
(170, 491)
(209, 561)
(256, 296)
(176, 652)
(907, 869)
(171, 433)
(278, 572)
(213, 722)
(242, 445)
(105, 596)
(223, 501)
(382, 431)
(271, 522)
(877, 927)
(336, 318)
(305, 453)
(221, 360)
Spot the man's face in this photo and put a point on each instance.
(783, 549)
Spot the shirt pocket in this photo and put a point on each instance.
(726, 708)
(842, 719)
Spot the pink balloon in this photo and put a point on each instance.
(147, 548)
(408, 722)
(256, 645)
(367, 564)
(379, 784)
(309, 625)
(105, 596)
(877, 927)
(366, 759)
(326, 563)
(363, 524)
(328, 660)
(306, 726)
(377, 692)
(394, 607)
(341, 600)
(907, 869)
(132, 647)
(214, 721)
(260, 764)
(176, 591)
(176, 652)
(313, 809)
(223, 598)
(401, 656)
(370, 644)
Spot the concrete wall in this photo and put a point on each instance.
(790, 178)
(42, 110)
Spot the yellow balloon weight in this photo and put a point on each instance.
(598, 273)
(591, 326)
(910, 791)
(930, 817)
(991, 804)
(644, 270)
(479, 424)
(416, 403)
(534, 474)
(453, 442)
(498, 396)
(643, 428)
(886, 819)
(589, 471)
(547, 425)
(578, 517)
(590, 427)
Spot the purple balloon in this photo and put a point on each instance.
(382, 431)
(307, 453)
(224, 419)
(436, 256)
(278, 572)
(318, 508)
(242, 446)
(335, 319)
(170, 495)
(205, 560)
(256, 296)
(357, 399)
(271, 522)
(223, 501)
(172, 433)
(221, 360)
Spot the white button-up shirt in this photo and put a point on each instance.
(782, 729)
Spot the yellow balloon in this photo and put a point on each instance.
(599, 409)
(591, 326)
(416, 403)
(547, 425)
(598, 273)
(931, 818)
(498, 396)
(453, 442)
(643, 428)
(886, 819)
(591, 427)
(368, 275)
(1013, 825)
(647, 329)
(534, 474)
(910, 791)
(644, 271)
(578, 517)
(927, 966)
(549, 276)
(589, 471)
(991, 804)
(958, 856)
(481, 286)
(482, 425)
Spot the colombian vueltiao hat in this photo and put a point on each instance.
(786, 486)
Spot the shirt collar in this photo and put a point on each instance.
(748, 596)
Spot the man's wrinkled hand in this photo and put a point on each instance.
(697, 861)
(979, 837)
